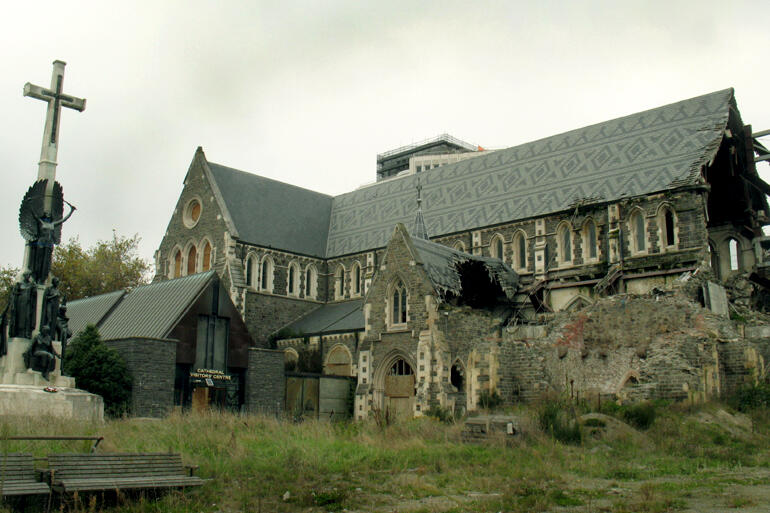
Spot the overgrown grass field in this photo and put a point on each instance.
(686, 460)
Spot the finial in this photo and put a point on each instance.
(419, 223)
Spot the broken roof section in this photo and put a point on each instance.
(444, 266)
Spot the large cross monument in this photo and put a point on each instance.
(33, 327)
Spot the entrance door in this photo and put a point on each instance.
(399, 390)
(200, 398)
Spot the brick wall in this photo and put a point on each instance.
(152, 363)
(265, 382)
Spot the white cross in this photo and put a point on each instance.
(56, 100)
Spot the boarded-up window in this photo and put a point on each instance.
(338, 363)
(207, 257)
(400, 380)
(192, 256)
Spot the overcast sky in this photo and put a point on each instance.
(309, 92)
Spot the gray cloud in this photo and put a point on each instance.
(309, 92)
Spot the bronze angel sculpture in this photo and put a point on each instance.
(41, 228)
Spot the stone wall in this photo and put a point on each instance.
(210, 226)
(266, 313)
(265, 382)
(152, 363)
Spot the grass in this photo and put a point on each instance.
(252, 462)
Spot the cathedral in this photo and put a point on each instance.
(433, 286)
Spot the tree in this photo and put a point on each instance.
(107, 266)
(7, 275)
(100, 370)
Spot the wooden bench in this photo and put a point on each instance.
(17, 476)
(98, 472)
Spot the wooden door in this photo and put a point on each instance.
(200, 399)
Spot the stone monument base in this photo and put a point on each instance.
(67, 403)
(23, 391)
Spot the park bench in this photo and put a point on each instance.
(70, 473)
(17, 476)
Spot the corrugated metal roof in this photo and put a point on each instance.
(91, 310)
(275, 214)
(331, 317)
(151, 311)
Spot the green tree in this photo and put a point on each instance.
(107, 266)
(99, 369)
(7, 275)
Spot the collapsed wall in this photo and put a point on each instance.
(655, 346)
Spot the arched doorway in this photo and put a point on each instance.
(399, 389)
(457, 379)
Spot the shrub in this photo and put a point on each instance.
(640, 415)
(751, 397)
(441, 414)
(99, 369)
(558, 419)
(490, 400)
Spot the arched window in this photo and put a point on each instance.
(520, 251)
(339, 282)
(714, 259)
(667, 224)
(293, 279)
(356, 277)
(735, 257)
(177, 264)
(638, 232)
(192, 256)
(497, 247)
(459, 245)
(398, 304)
(206, 257)
(266, 275)
(311, 279)
(251, 268)
(590, 242)
(564, 243)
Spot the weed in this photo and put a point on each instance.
(444, 415)
(558, 419)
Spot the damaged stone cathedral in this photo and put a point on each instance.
(587, 263)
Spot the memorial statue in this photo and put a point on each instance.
(42, 228)
(23, 306)
(63, 331)
(41, 355)
(51, 300)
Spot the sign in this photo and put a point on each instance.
(212, 378)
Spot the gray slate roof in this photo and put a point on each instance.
(638, 154)
(91, 310)
(643, 153)
(440, 263)
(275, 214)
(331, 317)
(148, 311)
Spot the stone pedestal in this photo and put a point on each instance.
(22, 391)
